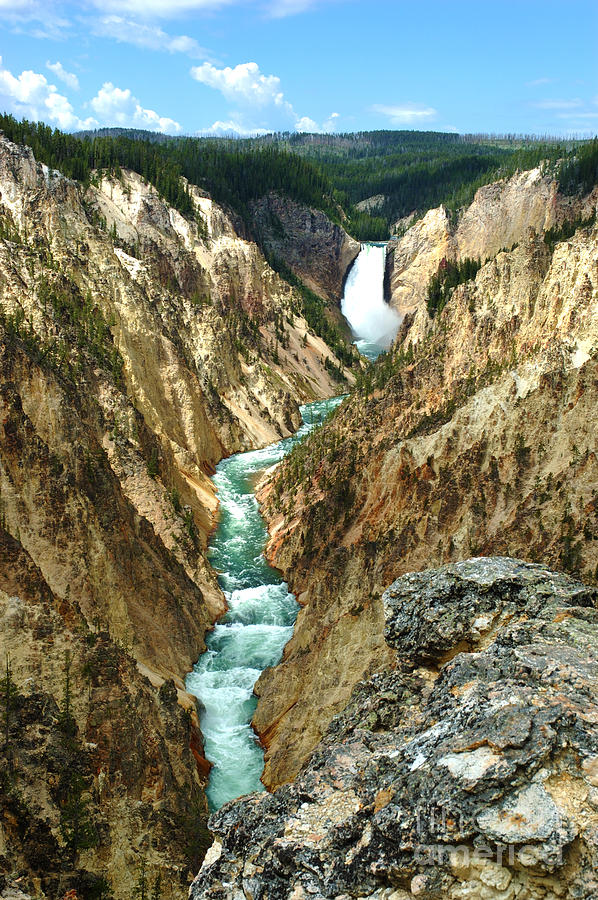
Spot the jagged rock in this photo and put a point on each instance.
(472, 780)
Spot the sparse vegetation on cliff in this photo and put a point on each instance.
(450, 274)
(553, 236)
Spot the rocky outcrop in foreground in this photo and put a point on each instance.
(468, 770)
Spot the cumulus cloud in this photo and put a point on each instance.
(150, 37)
(251, 91)
(306, 124)
(331, 122)
(232, 127)
(68, 78)
(115, 106)
(30, 95)
(242, 84)
(406, 113)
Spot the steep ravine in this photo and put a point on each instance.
(137, 349)
(473, 436)
(257, 625)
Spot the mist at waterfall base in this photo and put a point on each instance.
(259, 622)
(373, 322)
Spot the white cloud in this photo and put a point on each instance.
(151, 37)
(117, 107)
(68, 78)
(331, 122)
(250, 90)
(578, 115)
(307, 124)
(559, 104)
(279, 9)
(17, 6)
(157, 8)
(21, 14)
(406, 114)
(170, 8)
(30, 95)
(244, 84)
(537, 82)
(232, 127)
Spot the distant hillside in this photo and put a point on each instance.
(405, 171)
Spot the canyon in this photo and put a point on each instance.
(138, 349)
(430, 731)
(472, 436)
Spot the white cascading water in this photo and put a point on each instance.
(373, 321)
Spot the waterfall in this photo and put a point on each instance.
(373, 321)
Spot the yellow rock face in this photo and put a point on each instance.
(209, 355)
(480, 443)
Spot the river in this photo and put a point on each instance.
(261, 611)
(259, 621)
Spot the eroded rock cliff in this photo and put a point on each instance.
(98, 771)
(137, 349)
(468, 769)
(500, 216)
(317, 250)
(475, 439)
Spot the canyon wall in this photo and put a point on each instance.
(317, 250)
(500, 215)
(138, 348)
(99, 775)
(471, 437)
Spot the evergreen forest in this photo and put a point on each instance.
(407, 172)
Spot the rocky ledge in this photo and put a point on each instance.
(469, 770)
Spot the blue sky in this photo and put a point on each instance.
(244, 66)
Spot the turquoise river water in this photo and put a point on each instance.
(259, 621)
